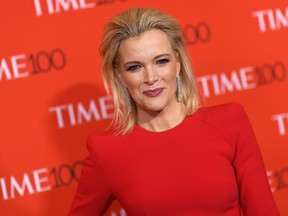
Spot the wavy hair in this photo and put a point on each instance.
(131, 23)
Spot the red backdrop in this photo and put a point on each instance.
(52, 95)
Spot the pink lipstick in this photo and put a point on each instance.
(154, 92)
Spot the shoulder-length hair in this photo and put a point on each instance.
(131, 23)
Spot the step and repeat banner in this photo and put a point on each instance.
(52, 96)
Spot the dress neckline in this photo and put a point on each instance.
(172, 129)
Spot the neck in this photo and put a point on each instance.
(161, 120)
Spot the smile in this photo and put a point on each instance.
(154, 92)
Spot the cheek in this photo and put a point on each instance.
(171, 74)
(132, 82)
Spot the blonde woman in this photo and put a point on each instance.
(165, 155)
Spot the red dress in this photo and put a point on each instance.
(210, 164)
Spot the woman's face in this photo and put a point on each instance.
(148, 68)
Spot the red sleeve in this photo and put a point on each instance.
(93, 196)
(255, 194)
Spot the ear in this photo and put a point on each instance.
(178, 63)
(178, 67)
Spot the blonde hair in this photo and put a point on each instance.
(131, 23)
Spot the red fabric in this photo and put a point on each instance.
(210, 164)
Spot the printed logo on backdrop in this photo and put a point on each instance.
(43, 180)
(271, 19)
(242, 79)
(40, 180)
(49, 7)
(46, 179)
(121, 212)
(25, 65)
(80, 113)
(199, 33)
(281, 120)
(278, 179)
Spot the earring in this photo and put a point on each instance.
(179, 88)
(128, 100)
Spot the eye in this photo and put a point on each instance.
(162, 61)
(133, 68)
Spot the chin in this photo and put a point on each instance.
(154, 108)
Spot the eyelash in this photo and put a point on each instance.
(163, 61)
(133, 67)
(136, 67)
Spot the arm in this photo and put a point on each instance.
(255, 194)
(93, 196)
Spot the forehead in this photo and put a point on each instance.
(148, 44)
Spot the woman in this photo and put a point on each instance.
(166, 156)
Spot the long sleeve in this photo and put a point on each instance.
(210, 164)
(93, 196)
(255, 195)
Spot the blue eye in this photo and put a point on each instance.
(133, 67)
(163, 61)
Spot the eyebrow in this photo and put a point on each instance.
(156, 57)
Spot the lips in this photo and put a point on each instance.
(154, 92)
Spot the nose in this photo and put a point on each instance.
(150, 75)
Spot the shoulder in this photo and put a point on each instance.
(101, 137)
(101, 141)
(224, 112)
(224, 118)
